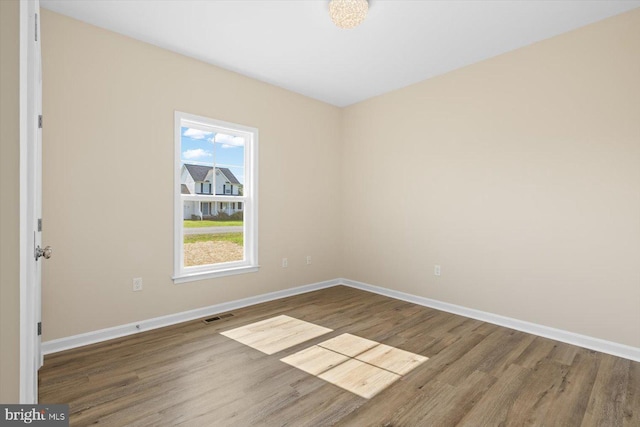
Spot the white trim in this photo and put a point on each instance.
(80, 340)
(597, 344)
(214, 274)
(210, 198)
(178, 207)
(616, 349)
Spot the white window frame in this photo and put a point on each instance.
(249, 198)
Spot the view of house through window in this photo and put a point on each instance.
(215, 195)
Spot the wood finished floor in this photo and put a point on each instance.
(478, 374)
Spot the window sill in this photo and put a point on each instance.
(192, 277)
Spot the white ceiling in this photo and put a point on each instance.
(293, 43)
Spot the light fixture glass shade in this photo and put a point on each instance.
(348, 13)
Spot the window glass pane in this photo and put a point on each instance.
(212, 163)
(228, 156)
(214, 238)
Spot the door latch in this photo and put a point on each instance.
(43, 252)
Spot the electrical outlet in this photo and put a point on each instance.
(436, 270)
(308, 259)
(285, 263)
(137, 284)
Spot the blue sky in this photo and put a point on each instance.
(201, 148)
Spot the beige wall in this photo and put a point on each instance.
(109, 103)
(9, 201)
(519, 175)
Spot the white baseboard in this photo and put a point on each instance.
(93, 337)
(616, 349)
(597, 344)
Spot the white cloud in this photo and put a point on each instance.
(196, 153)
(196, 133)
(229, 141)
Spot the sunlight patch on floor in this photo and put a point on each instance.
(276, 334)
(361, 366)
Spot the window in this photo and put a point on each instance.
(215, 169)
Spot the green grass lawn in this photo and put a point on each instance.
(188, 223)
(237, 238)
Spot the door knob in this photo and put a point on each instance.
(44, 252)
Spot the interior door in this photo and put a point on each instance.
(31, 323)
(40, 253)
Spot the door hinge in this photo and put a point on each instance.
(39, 224)
(36, 27)
(40, 121)
(39, 328)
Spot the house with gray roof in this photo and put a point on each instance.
(199, 179)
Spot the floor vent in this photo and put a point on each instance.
(214, 318)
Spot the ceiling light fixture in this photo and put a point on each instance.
(348, 13)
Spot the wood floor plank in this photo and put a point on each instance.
(476, 373)
(315, 359)
(305, 409)
(570, 400)
(609, 393)
(486, 329)
(489, 355)
(446, 405)
(391, 402)
(348, 344)
(276, 334)
(537, 351)
(495, 407)
(360, 378)
(564, 353)
(632, 401)
(392, 359)
(536, 394)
